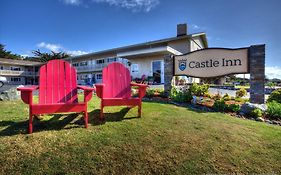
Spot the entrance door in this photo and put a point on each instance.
(158, 71)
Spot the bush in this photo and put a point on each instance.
(219, 105)
(199, 90)
(217, 96)
(180, 95)
(274, 109)
(275, 96)
(226, 97)
(233, 108)
(256, 113)
(241, 93)
(239, 99)
(150, 93)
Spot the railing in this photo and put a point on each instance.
(95, 67)
(11, 72)
(17, 73)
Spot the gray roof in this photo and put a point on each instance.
(19, 62)
(151, 44)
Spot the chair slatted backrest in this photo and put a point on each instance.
(117, 80)
(57, 83)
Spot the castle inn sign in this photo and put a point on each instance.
(212, 62)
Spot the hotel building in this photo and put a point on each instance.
(141, 59)
(19, 72)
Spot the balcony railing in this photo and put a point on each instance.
(17, 73)
(95, 67)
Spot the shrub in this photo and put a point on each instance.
(217, 96)
(226, 97)
(219, 105)
(241, 93)
(275, 96)
(233, 108)
(180, 95)
(150, 93)
(208, 95)
(274, 109)
(239, 99)
(199, 90)
(256, 113)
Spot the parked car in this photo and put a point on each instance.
(3, 80)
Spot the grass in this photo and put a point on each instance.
(166, 140)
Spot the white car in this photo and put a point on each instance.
(3, 80)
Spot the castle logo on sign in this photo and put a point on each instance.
(182, 64)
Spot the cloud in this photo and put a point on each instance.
(270, 72)
(72, 2)
(273, 72)
(52, 47)
(76, 52)
(195, 27)
(59, 48)
(24, 55)
(133, 5)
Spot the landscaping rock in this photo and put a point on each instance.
(246, 108)
(260, 119)
(11, 94)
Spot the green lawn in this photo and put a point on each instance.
(166, 140)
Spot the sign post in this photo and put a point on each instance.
(214, 62)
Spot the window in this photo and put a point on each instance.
(135, 68)
(98, 76)
(110, 60)
(75, 64)
(100, 61)
(15, 79)
(84, 63)
(15, 68)
(1, 67)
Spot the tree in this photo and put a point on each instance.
(7, 54)
(45, 57)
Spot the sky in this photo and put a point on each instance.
(83, 26)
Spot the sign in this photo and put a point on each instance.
(212, 62)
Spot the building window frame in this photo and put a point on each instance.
(15, 68)
(15, 79)
(100, 61)
(98, 76)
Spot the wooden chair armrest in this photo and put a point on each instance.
(86, 88)
(142, 89)
(139, 85)
(99, 90)
(88, 92)
(28, 88)
(26, 93)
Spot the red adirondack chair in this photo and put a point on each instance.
(57, 92)
(115, 89)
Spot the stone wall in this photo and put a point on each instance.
(257, 73)
(168, 71)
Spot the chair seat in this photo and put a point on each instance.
(57, 107)
(120, 101)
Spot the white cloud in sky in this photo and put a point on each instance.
(273, 72)
(52, 47)
(133, 5)
(72, 2)
(195, 27)
(76, 52)
(59, 48)
(270, 72)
